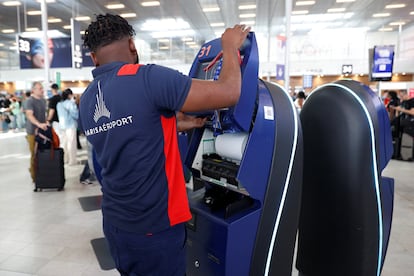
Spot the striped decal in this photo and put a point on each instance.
(128, 69)
(178, 207)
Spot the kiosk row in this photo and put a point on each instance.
(264, 179)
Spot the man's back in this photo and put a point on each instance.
(128, 116)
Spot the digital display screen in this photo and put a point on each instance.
(307, 81)
(382, 63)
(31, 52)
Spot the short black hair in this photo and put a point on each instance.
(105, 30)
(301, 95)
(66, 93)
(54, 86)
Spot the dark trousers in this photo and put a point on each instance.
(158, 254)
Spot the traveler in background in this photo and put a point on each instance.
(78, 131)
(128, 113)
(52, 116)
(406, 113)
(393, 100)
(300, 100)
(68, 114)
(18, 115)
(6, 117)
(35, 109)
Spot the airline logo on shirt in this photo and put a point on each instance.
(100, 108)
(101, 111)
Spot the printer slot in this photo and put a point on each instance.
(215, 167)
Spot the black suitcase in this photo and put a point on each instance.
(50, 171)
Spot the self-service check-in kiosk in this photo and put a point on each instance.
(248, 159)
(347, 204)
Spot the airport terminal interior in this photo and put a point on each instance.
(53, 233)
(274, 187)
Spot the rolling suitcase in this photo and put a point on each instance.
(50, 172)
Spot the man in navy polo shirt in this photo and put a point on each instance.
(128, 114)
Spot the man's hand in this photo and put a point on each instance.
(43, 126)
(187, 122)
(234, 37)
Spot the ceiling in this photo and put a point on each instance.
(267, 17)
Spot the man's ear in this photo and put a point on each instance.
(133, 49)
(94, 59)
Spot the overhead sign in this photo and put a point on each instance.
(280, 71)
(76, 44)
(280, 55)
(347, 69)
(382, 62)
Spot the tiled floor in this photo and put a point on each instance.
(48, 233)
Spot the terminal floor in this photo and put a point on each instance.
(54, 233)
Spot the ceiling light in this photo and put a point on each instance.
(385, 29)
(82, 18)
(165, 24)
(336, 10)
(305, 3)
(150, 3)
(11, 3)
(8, 31)
(1, 44)
(173, 33)
(164, 40)
(300, 12)
(247, 7)
(116, 6)
(217, 24)
(248, 23)
(395, 6)
(54, 20)
(211, 9)
(34, 12)
(128, 15)
(326, 17)
(47, 1)
(247, 15)
(412, 13)
(385, 14)
(67, 27)
(186, 39)
(39, 34)
(344, 1)
(164, 47)
(397, 23)
(32, 29)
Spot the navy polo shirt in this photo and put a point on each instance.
(128, 114)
